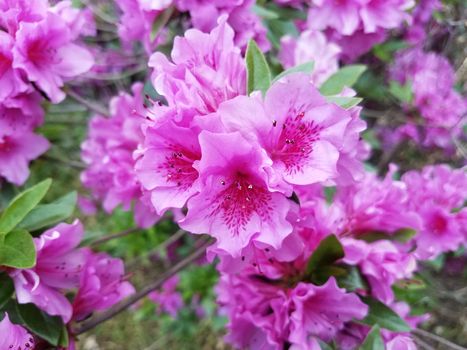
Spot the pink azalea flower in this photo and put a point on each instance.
(59, 265)
(401, 342)
(10, 79)
(303, 134)
(18, 144)
(235, 205)
(434, 193)
(155, 4)
(136, 22)
(346, 16)
(16, 151)
(168, 299)
(245, 23)
(80, 22)
(165, 167)
(382, 264)
(14, 12)
(311, 46)
(108, 151)
(375, 205)
(320, 312)
(45, 52)
(14, 336)
(257, 312)
(440, 106)
(101, 285)
(207, 69)
(354, 45)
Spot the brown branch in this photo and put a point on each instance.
(113, 236)
(449, 345)
(172, 239)
(116, 309)
(92, 106)
(388, 157)
(422, 344)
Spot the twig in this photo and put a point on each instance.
(422, 344)
(128, 73)
(172, 239)
(389, 156)
(116, 309)
(437, 338)
(70, 163)
(92, 106)
(113, 236)
(101, 14)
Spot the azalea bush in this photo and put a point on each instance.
(283, 174)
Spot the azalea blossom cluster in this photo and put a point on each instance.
(62, 267)
(252, 171)
(108, 152)
(39, 51)
(272, 298)
(436, 115)
(138, 16)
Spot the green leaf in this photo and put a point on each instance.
(380, 314)
(48, 214)
(353, 280)
(258, 74)
(64, 339)
(264, 12)
(402, 235)
(328, 251)
(324, 346)
(278, 28)
(282, 12)
(345, 77)
(6, 289)
(373, 340)
(47, 327)
(22, 205)
(344, 102)
(370, 137)
(402, 92)
(329, 193)
(301, 68)
(17, 250)
(386, 51)
(160, 21)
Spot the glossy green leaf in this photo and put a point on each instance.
(380, 314)
(47, 327)
(48, 214)
(264, 12)
(329, 193)
(344, 102)
(17, 250)
(403, 235)
(353, 280)
(324, 346)
(277, 28)
(373, 340)
(301, 68)
(283, 12)
(258, 74)
(345, 77)
(402, 92)
(6, 289)
(328, 251)
(160, 21)
(22, 205)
